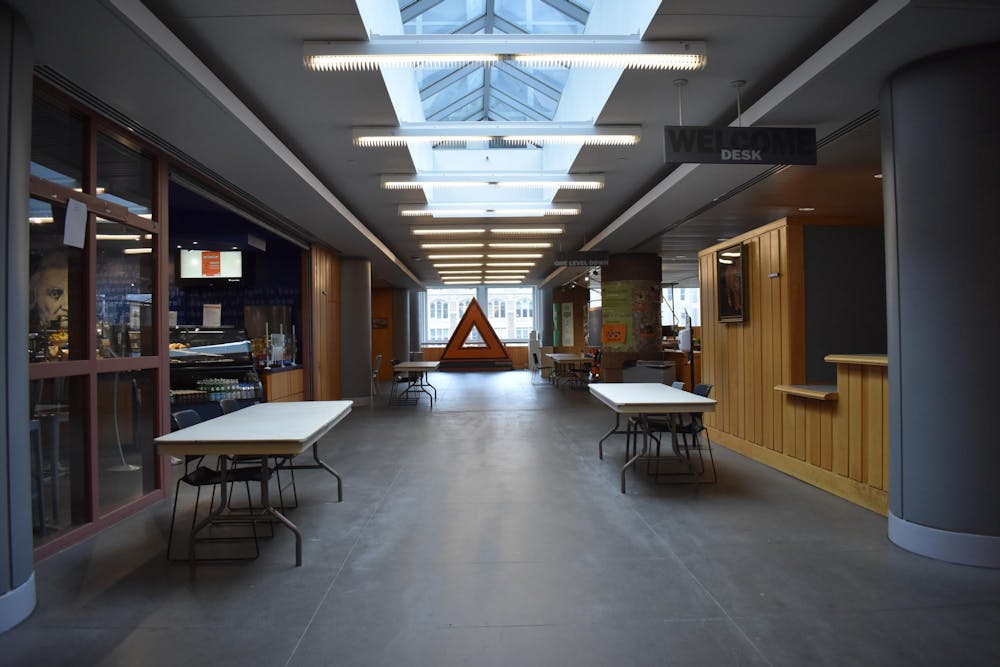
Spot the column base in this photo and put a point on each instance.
(17, 605)
(953, 547)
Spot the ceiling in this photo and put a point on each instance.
(223, 83)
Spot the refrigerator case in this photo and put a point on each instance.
(208, 364)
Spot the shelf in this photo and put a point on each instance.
(816, 392)
(860, 359)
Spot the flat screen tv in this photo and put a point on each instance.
(211, 264)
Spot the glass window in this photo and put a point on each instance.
(537, 17)
(445, 307)
(126, 423)
(56, 328)
(125, 270)
(521, 333)
(59, 470)
(452, 92)
(498, 308)
(524, 93)
(124, 176)
(56, 144)
(677, 302)
(524, 309)
(445, 17)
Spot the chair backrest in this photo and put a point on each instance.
(702, 389)
(677, 385)
(229, 405)
(183, 419)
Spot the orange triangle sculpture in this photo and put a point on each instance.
(492, 350)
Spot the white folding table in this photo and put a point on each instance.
(641, 399)
(418, 371)
(261, 430)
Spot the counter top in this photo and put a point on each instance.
(278, 369)
(817, 392)
(860, 359)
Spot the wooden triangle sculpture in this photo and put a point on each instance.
(490, 353)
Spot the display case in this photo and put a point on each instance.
(208, 364)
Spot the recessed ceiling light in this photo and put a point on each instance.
(523, 255)
(440, 231)
(878, 175)
(194, 243)
(455, 265)
(806, 209)
(526, 231)
(539, 244)
(443, 246)
(467, 256)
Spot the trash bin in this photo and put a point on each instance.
(650, 371)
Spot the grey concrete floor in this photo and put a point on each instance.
(485, 531)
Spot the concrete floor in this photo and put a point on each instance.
(487, 532)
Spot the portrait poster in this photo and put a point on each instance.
(729, 265)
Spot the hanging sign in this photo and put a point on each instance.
(739, 145)
(582, 259)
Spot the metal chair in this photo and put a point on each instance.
(677, 385)
(203, 476)
(228, 405)
(686, 424)
(539, 368)
(376, 365)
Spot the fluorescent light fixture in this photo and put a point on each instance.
(444, 231)
(521, 255)
(806, 209)
(446, 265)
(449, 51)
(527, 231)
(510, 263)
(459, 272)
(41, 220)
(445, 246)
(725, 261)
(118, 237)
(466, 256)
(489, 210)
(516, 133)
(517, 271)
(538, 244)
(512, 281)
(730, 254)
(497, 180)
(137, 251)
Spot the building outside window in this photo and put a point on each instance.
(510, 311)
(677, 301)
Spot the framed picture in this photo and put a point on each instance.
(729, 264)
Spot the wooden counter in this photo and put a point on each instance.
(285, 383)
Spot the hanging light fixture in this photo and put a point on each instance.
(489, 210)
(449, 51)
(514, 134)
(498, 180)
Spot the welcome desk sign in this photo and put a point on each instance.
(695, 144)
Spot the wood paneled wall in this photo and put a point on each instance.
(382, 338)
(324, 324)
(840, 445)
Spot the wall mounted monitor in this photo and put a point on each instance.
(211, 264)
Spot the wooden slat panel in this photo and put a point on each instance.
(855, 423)
(766, 327)
(776, 341)
(841, 454)
(754, 393)
(800, 429)
(872, 381)
(814, 434)
(826, 435)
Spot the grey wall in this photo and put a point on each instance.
(545, 307)
(845, 295)
(17, 591)
(355, 327)
(941, 160)
(414, 297)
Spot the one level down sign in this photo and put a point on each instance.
(739, 145)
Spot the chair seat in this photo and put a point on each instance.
(204, 476)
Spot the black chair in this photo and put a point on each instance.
(539, 368)
(202, 476)
(228, 405)
(683, 425)
(376, 365)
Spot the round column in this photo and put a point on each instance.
(17, 575)
(941, 161)
(630, 312)
(356, 329)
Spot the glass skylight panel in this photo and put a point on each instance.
(445, 17)
(452, 93)
(507, 111)
(524, 93)
(471, 111)
(537, 17)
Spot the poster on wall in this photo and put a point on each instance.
(630, 316)
(211, 315)
(567, 324)
(556, 326)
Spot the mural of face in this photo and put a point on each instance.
(49, 290)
